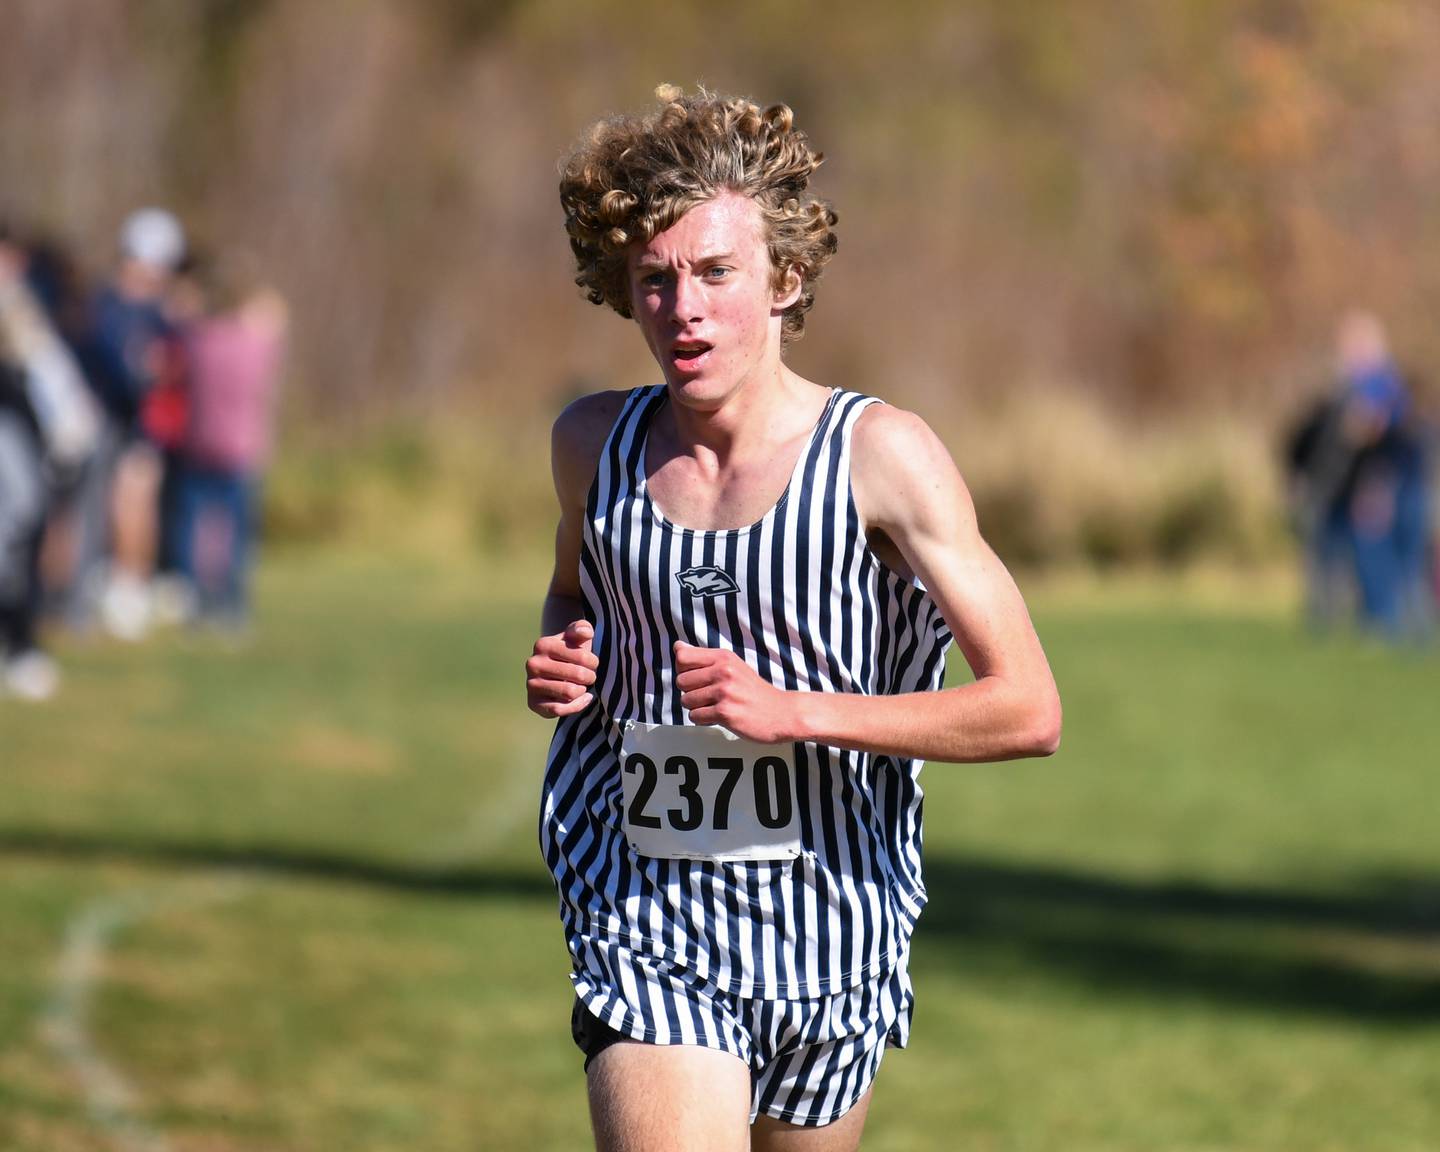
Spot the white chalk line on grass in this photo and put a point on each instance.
(489, 823)
(111, 1100)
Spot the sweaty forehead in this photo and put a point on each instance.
(729, 223)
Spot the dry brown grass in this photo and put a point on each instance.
(1058, 479)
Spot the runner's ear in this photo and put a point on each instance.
(788, 289)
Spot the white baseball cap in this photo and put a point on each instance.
(153, 236)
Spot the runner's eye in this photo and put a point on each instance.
(653, 281)
(718, 272)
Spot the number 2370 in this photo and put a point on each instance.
(773, 791)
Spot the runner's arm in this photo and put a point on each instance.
(562, 667)
(908, 489)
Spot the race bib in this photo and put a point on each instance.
(703, 793)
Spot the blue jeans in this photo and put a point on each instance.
(223, 499)
(1377, 566)
(1412, 551)
(1329, 570)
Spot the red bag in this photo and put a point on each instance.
(165, 411)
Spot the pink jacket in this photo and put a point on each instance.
(233, 370)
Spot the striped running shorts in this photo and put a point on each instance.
(810, 1060)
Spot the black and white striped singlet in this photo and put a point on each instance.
(811, 609)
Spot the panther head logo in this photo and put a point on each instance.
(707, 580)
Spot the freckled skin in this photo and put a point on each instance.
(721, 452)
(709, 278)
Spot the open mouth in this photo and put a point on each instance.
(690, 351)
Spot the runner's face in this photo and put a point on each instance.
(703, 295)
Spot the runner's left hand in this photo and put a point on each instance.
(718, 687)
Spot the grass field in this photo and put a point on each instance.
(287, 897)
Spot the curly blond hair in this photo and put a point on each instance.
(634, 176)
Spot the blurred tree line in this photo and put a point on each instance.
(1160, 208)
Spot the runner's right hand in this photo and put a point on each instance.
(561, 671)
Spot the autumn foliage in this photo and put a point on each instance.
(1156, 210)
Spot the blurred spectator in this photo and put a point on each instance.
(48, 428)
(27, 671)
(1360, 490)
(234, 358)
(129, 329)
(55, 280)
(1410, 451)
(165, 419)
(1388, 516)
(1320, 462)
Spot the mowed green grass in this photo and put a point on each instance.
(1211, 922)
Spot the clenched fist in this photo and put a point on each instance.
(718, 687)
(561, 671)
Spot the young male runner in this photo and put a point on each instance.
(756, 580)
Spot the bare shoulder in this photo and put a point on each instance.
(900, 468)
(577, 438)
(584, 423)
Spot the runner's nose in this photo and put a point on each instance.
(687, 304)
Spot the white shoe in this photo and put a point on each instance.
(32, 676)
(125, 608)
